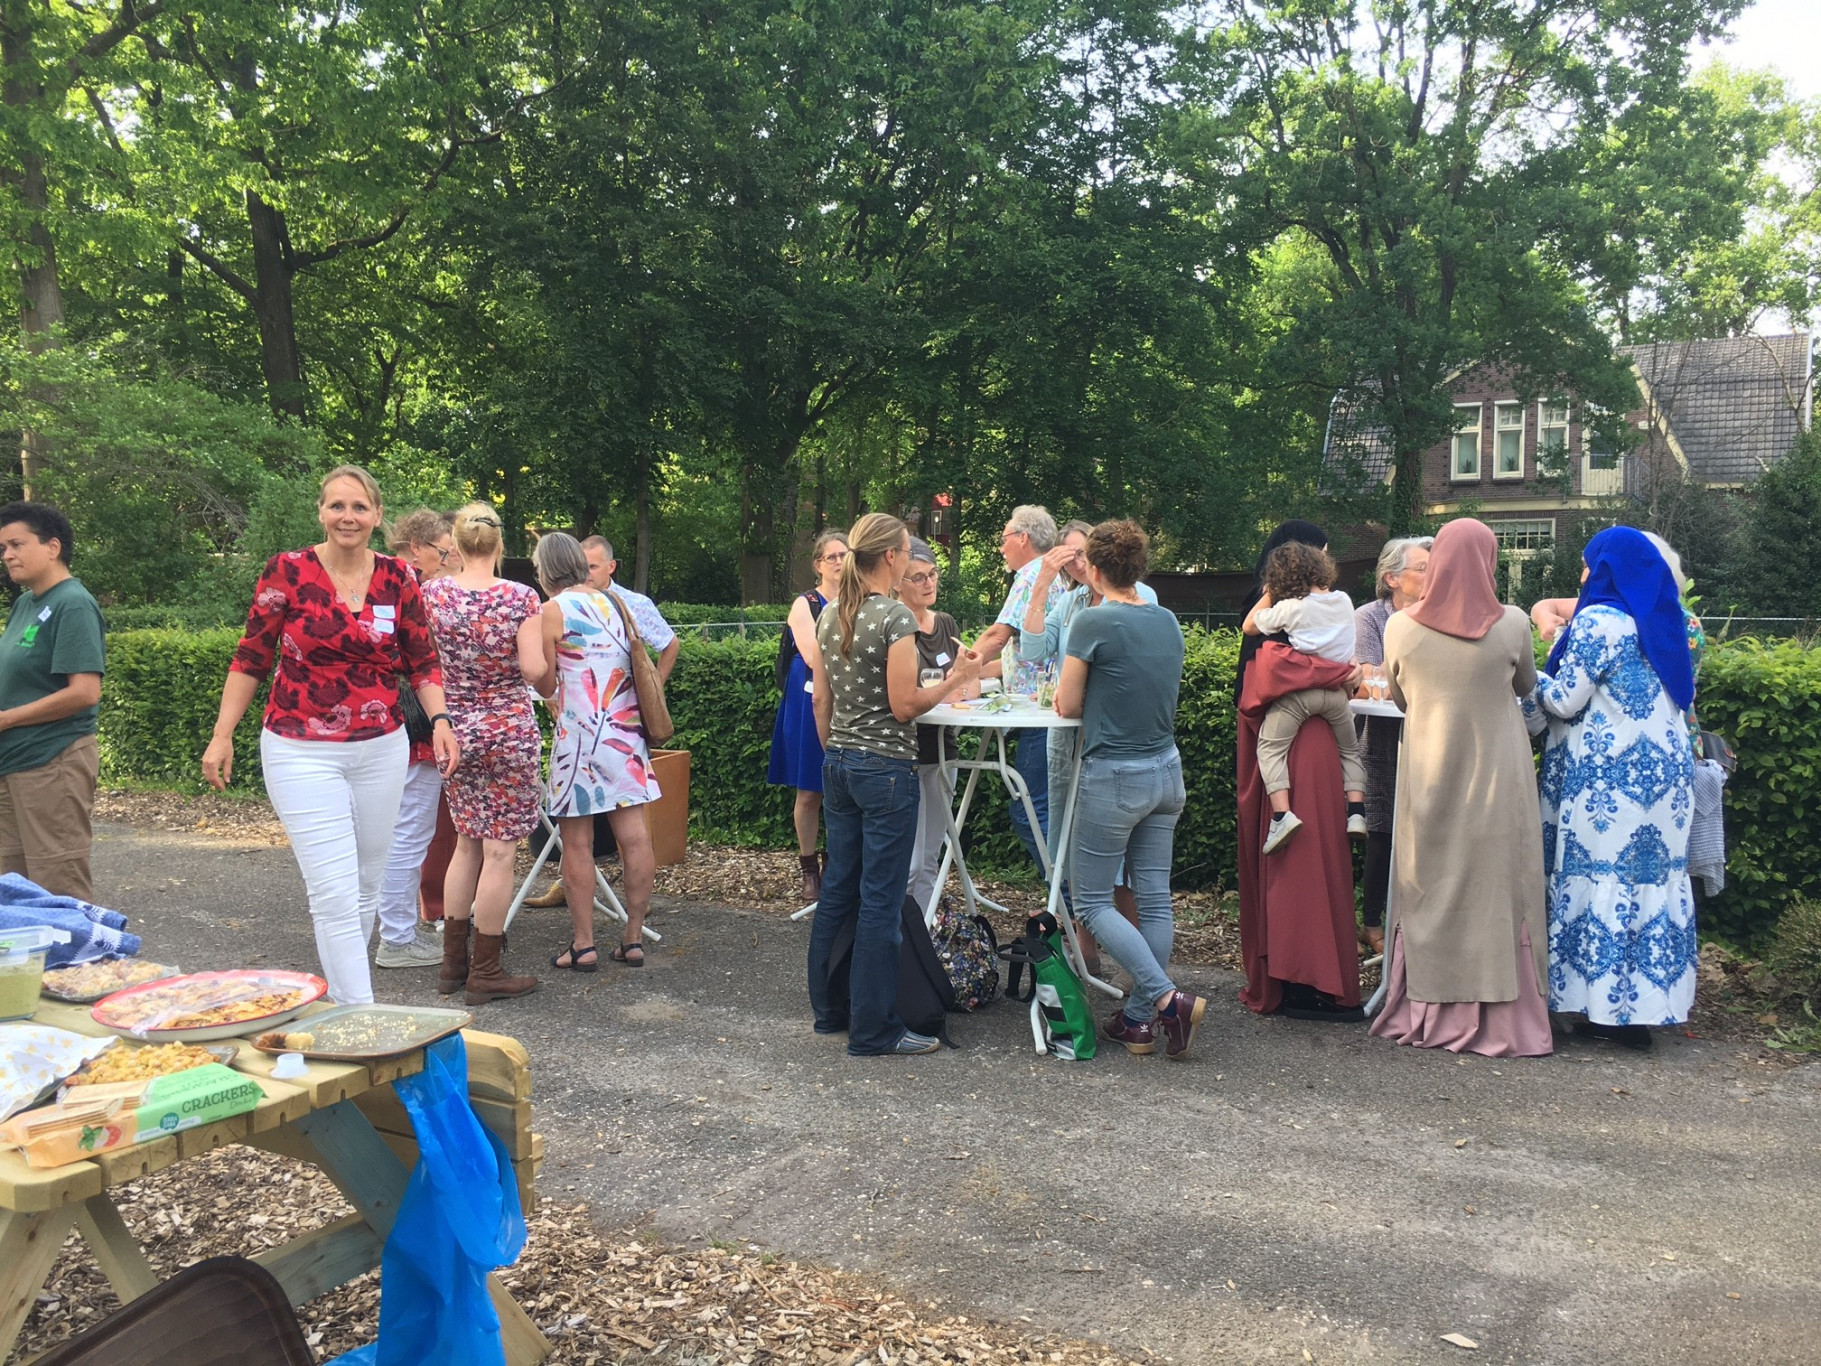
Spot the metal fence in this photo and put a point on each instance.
(1806, 629)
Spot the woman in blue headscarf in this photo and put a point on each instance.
(1618, 796)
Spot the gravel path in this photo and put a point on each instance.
(1294, 1192)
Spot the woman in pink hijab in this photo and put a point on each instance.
(1467, 947)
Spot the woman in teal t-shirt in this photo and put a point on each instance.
(1121, 676)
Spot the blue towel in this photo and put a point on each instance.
(94, 933)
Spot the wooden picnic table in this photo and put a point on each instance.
(342, 1117)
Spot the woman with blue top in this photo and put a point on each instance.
(867, 699)
(1121, 676)
(1617, 787)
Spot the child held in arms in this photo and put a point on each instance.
(1300, 600)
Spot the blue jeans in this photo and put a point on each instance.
(1127, 809)
(1031, 758)
(869, 809)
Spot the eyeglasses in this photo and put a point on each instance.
(921, 580)
(444, 556)
(831, 557)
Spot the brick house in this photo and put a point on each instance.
(1717, 412)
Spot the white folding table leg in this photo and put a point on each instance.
(606, 902)
(958, 823)
(1058, 905)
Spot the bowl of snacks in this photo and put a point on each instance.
(201, 1006)
(86, 983)
(142, 1062)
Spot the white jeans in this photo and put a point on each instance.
(411, 841)
(932, 828)
(339, 802)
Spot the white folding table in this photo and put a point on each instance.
(1385, 711)
(993, 722)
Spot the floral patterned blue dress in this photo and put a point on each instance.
(1618, 794)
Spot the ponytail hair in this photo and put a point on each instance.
(872, 536)
(477, 533)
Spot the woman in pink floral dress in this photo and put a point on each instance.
(488, 634)
(599, 761)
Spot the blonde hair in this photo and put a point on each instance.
(873, 535)
(358, 475)
(477, 533)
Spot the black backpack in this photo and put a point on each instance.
(925, 994)
(787, 643)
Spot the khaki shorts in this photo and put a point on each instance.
(44, 820)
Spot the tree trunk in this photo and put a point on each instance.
(40, 295)
(1406, 493)
(641, 529)
(278, 355)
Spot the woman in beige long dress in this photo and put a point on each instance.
(1468, 948)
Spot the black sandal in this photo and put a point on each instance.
(620, 952)
(575, 963)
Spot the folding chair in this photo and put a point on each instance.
(606, 900)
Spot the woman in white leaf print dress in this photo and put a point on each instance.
(1618, 796)
(598, 757)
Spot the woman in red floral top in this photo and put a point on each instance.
(340, 624)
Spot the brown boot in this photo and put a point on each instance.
(554, 895)
(812, 878)
(486, 980)
(453, 975)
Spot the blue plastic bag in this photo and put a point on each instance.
(460, 1219)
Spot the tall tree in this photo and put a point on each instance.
(1438, 155)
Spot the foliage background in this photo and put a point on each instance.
(160, 694)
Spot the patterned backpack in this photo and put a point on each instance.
(970, 951)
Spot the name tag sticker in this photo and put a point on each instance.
(45, 615)
(809, 685)
(942, 658)
(384, 625)
(384, 610)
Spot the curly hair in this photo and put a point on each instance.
(1296, 570)
(1120, 551)
(422, 527)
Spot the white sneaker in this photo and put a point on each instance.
(1356, 827)
(1282, 827)
(420, 952)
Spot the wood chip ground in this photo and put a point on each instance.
(600, 1296)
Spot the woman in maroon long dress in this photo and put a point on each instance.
(1296, 913)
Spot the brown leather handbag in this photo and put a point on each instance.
(654, 711)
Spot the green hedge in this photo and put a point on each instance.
(1766, 699)
(162, 687)
(696, 613)
(158, 704)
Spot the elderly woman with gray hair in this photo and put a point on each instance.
(599, 761)
(1402, 566)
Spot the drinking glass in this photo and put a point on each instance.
(927, 677)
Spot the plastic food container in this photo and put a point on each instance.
(22, 954)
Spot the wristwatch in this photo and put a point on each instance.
(441, 716)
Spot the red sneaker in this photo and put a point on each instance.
(1178, 1024)
(1137, 1038)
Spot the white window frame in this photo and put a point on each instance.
(1500, 430)
(1461, 429)
(1539, 539)
(1544, 427)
